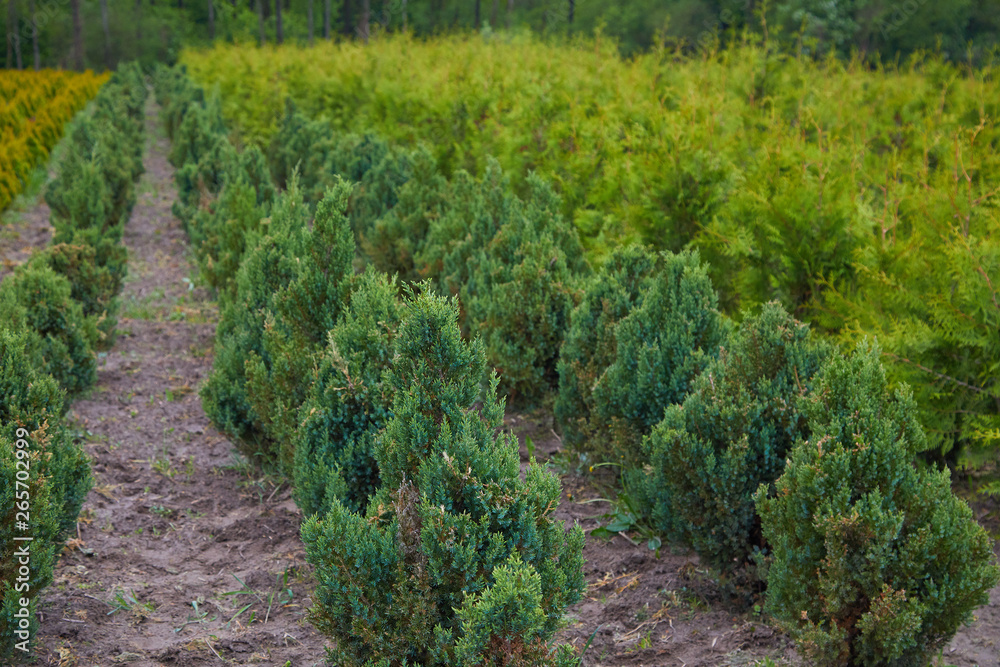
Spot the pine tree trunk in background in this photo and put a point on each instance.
(347, 17)
(211, 20)
(260, 21)
(326, 19)
(34, 39)
(11, 33)
(309, 16)
(404, 16)
(475, 25)
(572, 6)
(494, 13)
(365, 14)
(280, 33)
(510, 10)
(138, 26)
(107, 34)
(77, 35)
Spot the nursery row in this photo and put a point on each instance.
(788, 466)
(56, 311)
(34, 108)
(883, 223)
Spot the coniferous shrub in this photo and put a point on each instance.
(304, 147)
(42, 300)
(874, 561)
(661, 346)
(32, 440)
(198, 131)
(377, 190)
(395, 240)
(270, 264)
(731, 434)
(245, 198)
(199, 181)
(519, 297)
(589, 346)
(94, 284)
(300, 315)
(349, 402)
(457, 559)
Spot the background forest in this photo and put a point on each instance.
(99, 33)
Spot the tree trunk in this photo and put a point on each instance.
(475, 23)
(366, 6)
(309, 17)
(260, 21)
(510, 10)
(211, 20)
(347, 17)
(107, 34)
(138, 26)
(404, 15)
(280, 36)
(13, 44)
(572, 6)
(494, 13)
(34, 39)
(77, 35)
(326, 19)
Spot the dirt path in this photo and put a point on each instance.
(183, 557)
(22, 232)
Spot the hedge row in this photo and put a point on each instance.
(57, 310)
(778, 459)
(34, 109)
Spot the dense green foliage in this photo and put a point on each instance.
(732, 433)
(647, 326)
(745, 153)
(33, 439)
(429, 547)
(268, 266)
(589, 347)
(349, 402)
(457, 559)
(874, 560)
(155, 32)
(65, 338)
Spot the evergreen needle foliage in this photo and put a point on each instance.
(457, 560)
(731, 434)
(58, 481)
(874, 561)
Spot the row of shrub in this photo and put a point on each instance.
(780, 460)
(876, 223)
(57, 310)
(34, 109)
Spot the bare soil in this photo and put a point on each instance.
(187, 557)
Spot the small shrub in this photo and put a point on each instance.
(299, 317)
(589, 346)
(348, 403)
(660, 348)
(93, 285)
(269, 264)
(41, 299)
(731, 434)
(31, 405)
(393, 242)
(874, 561)
(457, 560)
(245, 198)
